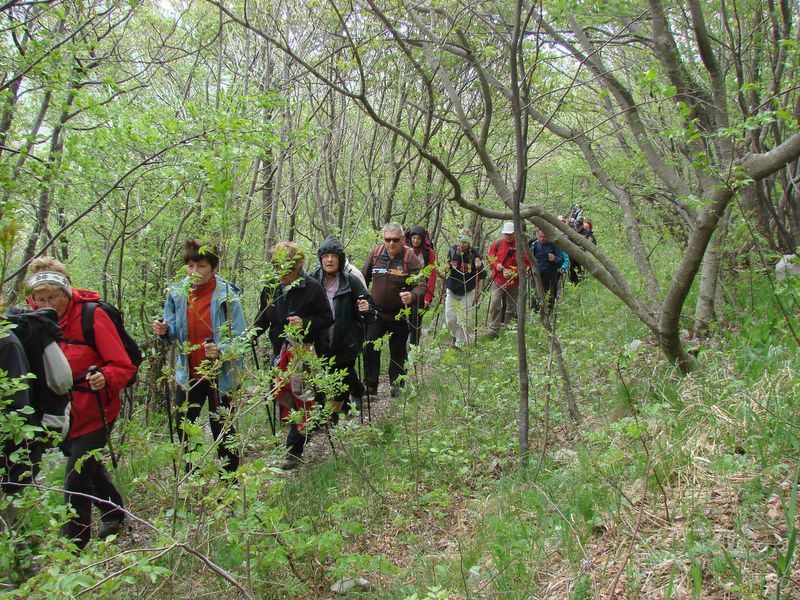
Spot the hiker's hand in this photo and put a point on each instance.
(363, 305)
(160, 327)
(406, 298)
(96, 380)
(211, 350)
(295, 320)
(427, 305)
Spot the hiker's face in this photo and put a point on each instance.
(394, 243)
(54, 298)
(416, 240)
(330, 263)
(541, 236)
(200, 271)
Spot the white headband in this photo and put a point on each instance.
(50, 278)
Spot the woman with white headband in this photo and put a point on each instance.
(51, 287)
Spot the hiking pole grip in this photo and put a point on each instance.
(101, 409)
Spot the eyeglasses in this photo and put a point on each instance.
(48, 300)
(392, 240)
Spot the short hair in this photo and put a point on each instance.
(49, 274)
(197, 250)
(288, 251)
(49, 264)
(392, 227)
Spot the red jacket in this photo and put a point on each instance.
(110, 356)
(501, 252)
(427, 256)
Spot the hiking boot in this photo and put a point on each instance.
(396, 391)
(289, 463)
(372, 390)
(110, 528)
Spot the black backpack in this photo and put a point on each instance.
(37, 330)
(87, 326)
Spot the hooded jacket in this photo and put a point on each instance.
(110, 356)
(224, 304)
(344, 339)
(428, 257)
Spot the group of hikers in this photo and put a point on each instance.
(341, 312)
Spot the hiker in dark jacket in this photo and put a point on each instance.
(298, 300)
(464, 270)
(15, 365)
(349, 301)
(202, 313)
(549, 260)
(392, 270)
(417, 239)
(89, 427)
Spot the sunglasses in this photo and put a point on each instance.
(392, 240)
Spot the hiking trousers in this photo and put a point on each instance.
(398, 350)
(92, 479)
(202, 390)
(458, 313)
(498, 315)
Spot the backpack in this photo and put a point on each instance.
(376, 252)
(87, 326)
(39, 334)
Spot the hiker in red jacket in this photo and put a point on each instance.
(417, 239)
(502, 257)
(90, 428)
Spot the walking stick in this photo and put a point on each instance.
(266, 404)
(360, 359)
(363, 361)
(91, 371)
(167, 393)
(475, 304)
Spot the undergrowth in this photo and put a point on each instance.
(673, 487)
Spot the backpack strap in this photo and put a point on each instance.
(87, 320)
(376, 252)
(87, 323)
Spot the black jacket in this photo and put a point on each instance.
(346, 337)
(14, 362)
(461, 279)
(304, 298)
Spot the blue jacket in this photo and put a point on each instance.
(540, 252)
(224, 304)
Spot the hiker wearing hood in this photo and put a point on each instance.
(350, 303)
(417, 239)
(197, 314)
(94, 391)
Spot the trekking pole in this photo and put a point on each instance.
(360, 355)
(258, 368)
(91, 371)
(475, 305)
(167, 394)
